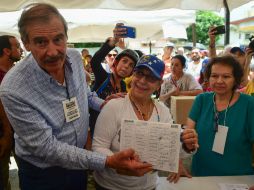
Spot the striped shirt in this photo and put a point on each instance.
(33, 103)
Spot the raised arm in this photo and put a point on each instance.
(212, 48)
(246, 68)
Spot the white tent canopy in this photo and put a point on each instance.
(14, 5)
(148, 23)
(94, 20)
(84, 26)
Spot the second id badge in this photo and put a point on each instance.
(71, 110)
(220, 139)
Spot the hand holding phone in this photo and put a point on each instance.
(130, 32)
(126, 31)
(219, 30)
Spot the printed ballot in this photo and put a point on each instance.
(155, 143)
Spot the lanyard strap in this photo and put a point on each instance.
(216, 111)
(116, 90)
(67, 90)
(174, 82)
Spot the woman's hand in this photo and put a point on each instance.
(175, 91)
(182, 171)
(212, 37)
(211, 34)
(189, 138)
(118, 33)
(249, 53)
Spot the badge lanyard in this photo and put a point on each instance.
(67, 90)
(70, 106)
(216, 113)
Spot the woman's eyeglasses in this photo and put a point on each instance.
(148, 77)
(110, 55)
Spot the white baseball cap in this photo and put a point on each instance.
(170, 44)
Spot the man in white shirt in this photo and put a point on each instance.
(194, 67)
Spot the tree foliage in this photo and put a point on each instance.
(204, 20)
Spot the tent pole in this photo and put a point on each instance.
(227, 23)
(150, 47)
(194, 37)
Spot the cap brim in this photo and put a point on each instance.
(236, 49)
(151, 69)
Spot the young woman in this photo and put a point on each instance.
(106, 83)
(138, 105)
(179, 83)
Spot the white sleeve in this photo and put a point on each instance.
(193, 83)
(105, 128)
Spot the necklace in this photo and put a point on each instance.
(142, 114)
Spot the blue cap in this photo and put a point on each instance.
(154, 64)
(237, 49)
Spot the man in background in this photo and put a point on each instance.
(194, 67)
(10, 52)
(167, 56)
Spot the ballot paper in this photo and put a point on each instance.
(228, 186)
(155, 143)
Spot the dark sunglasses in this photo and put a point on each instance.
(110, 55)
(148, 77)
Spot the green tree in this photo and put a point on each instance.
(204, 19)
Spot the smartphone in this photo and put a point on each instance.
(131, 32)
(219, 30)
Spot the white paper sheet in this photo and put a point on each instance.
(227, 186)
(220, 139)
(156, 143)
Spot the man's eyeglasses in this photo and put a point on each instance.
(148, 77)
(110, 55)
(216, 121)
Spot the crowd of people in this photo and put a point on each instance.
(61, 110)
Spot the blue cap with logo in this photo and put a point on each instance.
(153, 63)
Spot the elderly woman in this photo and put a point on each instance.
(224, 122)
(138, 105)
(179, 83)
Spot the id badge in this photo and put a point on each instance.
(220, 139)
(71, 110)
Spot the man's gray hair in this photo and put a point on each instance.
(38, 12)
